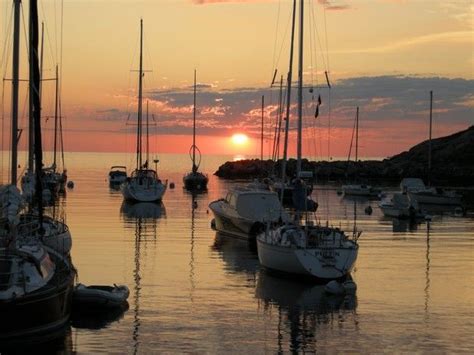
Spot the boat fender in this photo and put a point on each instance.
(350, 287)
(334, 288)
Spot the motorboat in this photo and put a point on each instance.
(244, 212)
(399, 206)
(360, 190)
(117, 175)
(99, 296)
(315, 251)
(417, 191)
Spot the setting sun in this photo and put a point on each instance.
(239, 139)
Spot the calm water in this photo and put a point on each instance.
(195, 291)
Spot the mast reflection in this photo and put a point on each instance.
(143, 218)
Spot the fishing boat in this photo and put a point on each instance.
(358, 189)
(36, 282)
(143, 185)
(117, 175)
(99, 296)
(304, 248)
(244, 212)
(195, 180)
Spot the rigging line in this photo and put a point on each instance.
(327, 43)
(352, 139)
(24, 29)
(55, 29)
(7, 42)
(276, 35)
(329, 123)
(313, 41)
(311, 24)
(319, 42)
(3, 130)
(283, 40)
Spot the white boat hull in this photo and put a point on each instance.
(236, 227)
(132, 191)
(314, 262)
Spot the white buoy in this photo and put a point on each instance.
(334, 288)
(70, 184)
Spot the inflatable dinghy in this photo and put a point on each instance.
(100, 296)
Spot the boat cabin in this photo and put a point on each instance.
(256, 205)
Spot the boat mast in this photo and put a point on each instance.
(140, 94)
(55, 146)
(34, 88)
(147, 135)
(194, 124)
(15, 88)
(261, 133)
(288, 95)
(300, 91)
(280, 114)
(357, 135)
(429, 144)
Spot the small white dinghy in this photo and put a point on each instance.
(100, 296)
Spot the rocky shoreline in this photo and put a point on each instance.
(452, 165)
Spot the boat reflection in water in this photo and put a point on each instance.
(143, 218)
(239, 256)
(302, 308)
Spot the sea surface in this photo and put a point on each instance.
(192, 290)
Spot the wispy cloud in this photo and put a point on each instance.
(444, 37)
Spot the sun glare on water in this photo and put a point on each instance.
(239, 139)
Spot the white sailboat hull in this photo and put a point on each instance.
(314, 262)
(234, 226)
(134, 191)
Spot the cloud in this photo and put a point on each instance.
(334, 5)
(385, 102)
(444, 37)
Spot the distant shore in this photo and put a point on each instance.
(452, 165)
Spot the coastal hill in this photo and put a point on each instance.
(452, 164)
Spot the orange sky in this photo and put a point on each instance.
(382, 55)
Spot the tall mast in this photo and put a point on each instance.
(261, 133)
(280, 114)
(147, 135)
(194, 122)
(15, 87)
(56, 107)
(140, 94)
(357, 134)
(34, 88)
(300, 91)
(288, 95)
(429, 144)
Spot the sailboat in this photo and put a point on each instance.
(306, 249)
(195, 180)
(36, 282)
(358, 189)
(286, 188)
(431, 195)
(143, 185)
